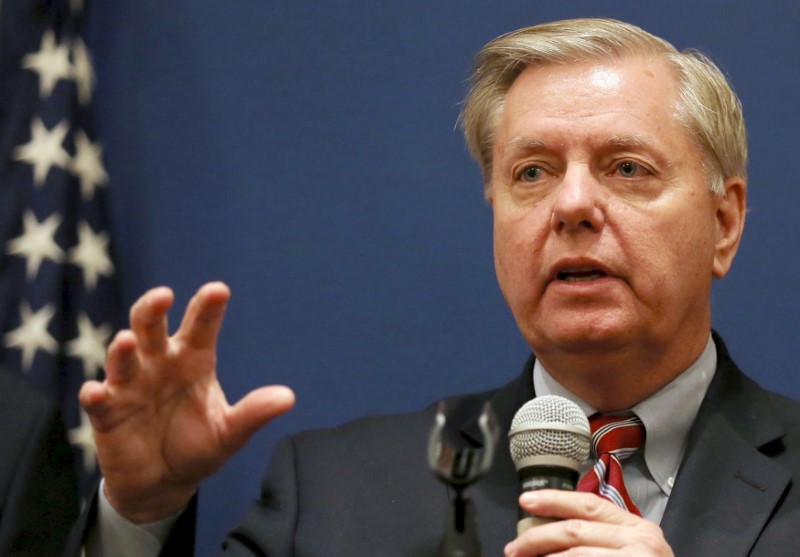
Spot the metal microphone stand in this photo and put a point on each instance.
(460, 467)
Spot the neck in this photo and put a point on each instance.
(619, 379)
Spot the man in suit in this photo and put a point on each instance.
(38, 487)
(615, 167)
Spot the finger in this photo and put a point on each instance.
(95, 400)
(594, 538)
(591, 521)
(149, 319)
(121, 361)
(203, 318)
(254, 411)
(92, 396)
(574, 504)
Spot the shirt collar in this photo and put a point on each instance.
(667, 415)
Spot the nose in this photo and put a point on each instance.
(578, 204)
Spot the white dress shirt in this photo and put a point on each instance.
(667, 417)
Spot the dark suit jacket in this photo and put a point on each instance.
(364, 489)
(38, 488)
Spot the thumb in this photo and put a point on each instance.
(254, 411)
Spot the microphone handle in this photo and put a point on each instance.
(536, 477)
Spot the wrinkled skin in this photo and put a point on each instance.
(606, 240)
(162, 423)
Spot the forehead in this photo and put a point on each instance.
(633, 96)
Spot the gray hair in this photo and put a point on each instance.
(706, 104)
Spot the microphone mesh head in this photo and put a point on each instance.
(533, 433)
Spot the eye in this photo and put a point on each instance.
(530, 174)
(630, 169)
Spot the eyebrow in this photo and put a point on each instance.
(632, 142)
(524, 144)
(637, 143)
(629, 142)
(614, 142)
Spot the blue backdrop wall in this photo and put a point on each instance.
(306, 153)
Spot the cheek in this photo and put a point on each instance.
(671, 258)
(517, 250)
(505, 250)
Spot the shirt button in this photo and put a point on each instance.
(671, 482)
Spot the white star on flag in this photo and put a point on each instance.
(87, 165)
(37, 242)
(51, 63)
(91, 254)
(55, 248)
(83, 437)
(45, 149)
(90, 345)
(31, 335)
(82, 71)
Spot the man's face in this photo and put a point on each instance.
(606, 237)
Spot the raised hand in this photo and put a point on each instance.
(162, 422)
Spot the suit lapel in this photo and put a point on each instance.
(726, 488)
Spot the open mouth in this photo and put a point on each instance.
(581, 276)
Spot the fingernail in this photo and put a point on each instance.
(529, 497)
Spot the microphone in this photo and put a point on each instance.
(549, 440)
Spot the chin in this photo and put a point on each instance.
(580, 334)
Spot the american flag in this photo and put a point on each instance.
(59, 303)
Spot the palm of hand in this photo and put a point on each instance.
(162, 422)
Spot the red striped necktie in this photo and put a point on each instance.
(614, 439)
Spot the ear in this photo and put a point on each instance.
(731, 210)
